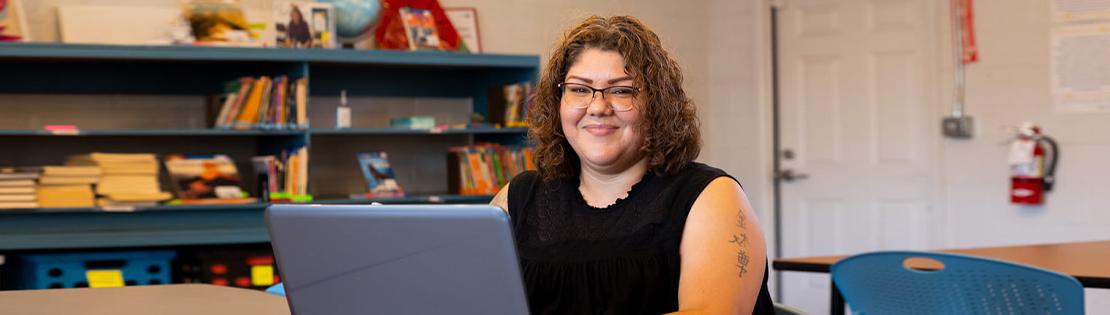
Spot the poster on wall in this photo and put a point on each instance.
(1066, 11)
(1079, 68)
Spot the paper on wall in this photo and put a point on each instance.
(1064, 11)
(1080, 69)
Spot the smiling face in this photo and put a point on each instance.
(604, 140)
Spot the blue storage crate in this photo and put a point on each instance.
(48, 271)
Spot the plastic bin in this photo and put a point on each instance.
(49, 271)
(252, 268)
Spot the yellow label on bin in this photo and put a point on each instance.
(262, 275)
(104, 278)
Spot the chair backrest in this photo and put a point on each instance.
(879, 283)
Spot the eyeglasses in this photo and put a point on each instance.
(580, 96)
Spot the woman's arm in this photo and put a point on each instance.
(502, 198)
(723, 253)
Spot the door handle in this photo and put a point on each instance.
(788, 175)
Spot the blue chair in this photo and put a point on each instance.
(277, 289)
(879, 283)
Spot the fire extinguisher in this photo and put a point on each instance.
(1033, 158)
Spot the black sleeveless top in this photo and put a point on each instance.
(622, 259)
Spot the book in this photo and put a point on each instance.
(138, 197)
(21, 197)
(302, 102)
(283, 177)
(18, 205)
(99, 158)
(128, 184)
(18, 176)
(482, 169)
(76, 171)
(121, 173)
(508, 105)
(204, 176)
(17, 190)
(380, 180)
(239, 91)
(248, 116)
(65, 196)
(17, 183)
(69, 180)
(420, 29)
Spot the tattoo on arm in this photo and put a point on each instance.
(741, 241)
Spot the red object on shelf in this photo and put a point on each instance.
(260, 260)
(220, 282)
(390, 32)
(243, 282)
(218, 269)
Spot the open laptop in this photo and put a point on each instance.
(387, 259)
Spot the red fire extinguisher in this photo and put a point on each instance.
(1033, 158)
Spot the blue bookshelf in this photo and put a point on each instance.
(394, 131)
(86, 52)
(226, 132)
(190, 72)
(168, 225)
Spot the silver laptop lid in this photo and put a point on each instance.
(386, 259)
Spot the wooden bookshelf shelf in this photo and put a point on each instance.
(159, 99)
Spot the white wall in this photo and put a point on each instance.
(1010, 85)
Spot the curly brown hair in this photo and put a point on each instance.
(670, 128)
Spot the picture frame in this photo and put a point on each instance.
(465, 20)
(13, 22)
(315, 29)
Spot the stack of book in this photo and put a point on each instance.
(482, 169)
(508, 105)
(126, 179)
(67, 186)
(285, 177)
(264, 103)
(17, 189)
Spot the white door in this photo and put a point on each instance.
(858, 122)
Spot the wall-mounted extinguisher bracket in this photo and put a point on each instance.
(1033, 159)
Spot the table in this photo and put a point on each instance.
(156, 299)
(1088, 262)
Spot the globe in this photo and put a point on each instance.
(354, 17)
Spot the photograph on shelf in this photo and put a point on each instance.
(204, 177)
(381, 181)
(304, 25)
(420, 27)
(13, 24)
(465, 21)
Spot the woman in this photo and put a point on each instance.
(297, 32)
(618, 219)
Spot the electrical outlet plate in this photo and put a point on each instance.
(957, 127)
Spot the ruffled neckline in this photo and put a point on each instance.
(636, 188)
